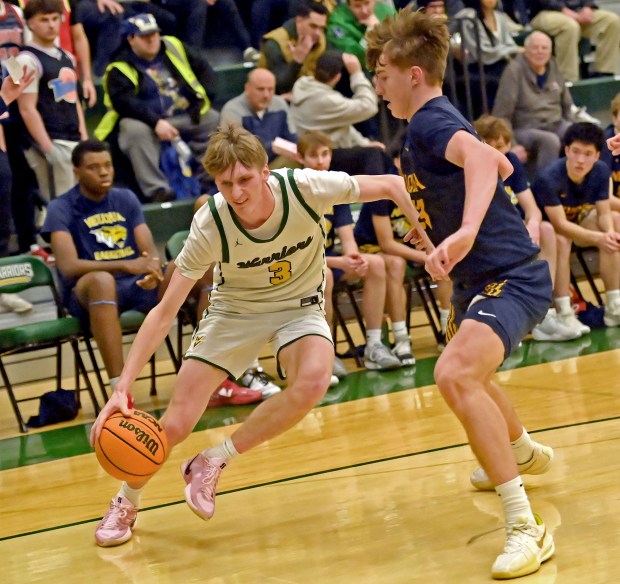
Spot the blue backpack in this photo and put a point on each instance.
(185, 187)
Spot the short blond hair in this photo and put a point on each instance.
(411, 39)
(615, 104)
(311, 140)
(230, 144)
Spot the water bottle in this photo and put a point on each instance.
(185, 155)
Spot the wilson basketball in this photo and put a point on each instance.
(131, 448)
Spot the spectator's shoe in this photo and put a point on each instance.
(118, 523)
(612, 313)
(251, 55)
(339, 370)
(334, 381)
(201, 475)
(402, 349)
(14, 303)
(163, 196)
(379, 357)
(231, 394)
(554, 328)
(540, 463)
(569, 320)
(255, 378)
(580, 114)
(527, 546)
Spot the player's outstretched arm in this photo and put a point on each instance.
(151, 334)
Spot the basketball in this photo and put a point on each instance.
(131, 448)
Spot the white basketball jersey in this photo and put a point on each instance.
(283, 272)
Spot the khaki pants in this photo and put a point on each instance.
(56, 164)
(603, 31)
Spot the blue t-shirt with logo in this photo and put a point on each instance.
(553, 188)
(101, 231)
(437, 188)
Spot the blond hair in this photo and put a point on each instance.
(230, 144)
(313, 139)
(492, 128)
(615, 104)
(411, 39)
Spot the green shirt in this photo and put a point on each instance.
(346, 33)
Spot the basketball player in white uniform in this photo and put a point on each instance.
(266, 234)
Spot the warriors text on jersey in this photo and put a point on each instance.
(284, 267)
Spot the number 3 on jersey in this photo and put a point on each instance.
(281, 272)
(425, 220)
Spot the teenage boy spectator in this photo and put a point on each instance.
(348, 23)
(613, 161)
(50, 107)
(554, 249)
(261, 112)
(316, 105)
(156, 89)
(533, 97)
(566, 22)
(315, 149)
(291, 51)
(574, 193)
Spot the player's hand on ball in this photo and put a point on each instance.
(119, 401)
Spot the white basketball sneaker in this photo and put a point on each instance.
(527, 546)
(540, 463)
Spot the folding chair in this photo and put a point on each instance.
(588, 262)
(21, 273)
(418, 278)
(341, 314)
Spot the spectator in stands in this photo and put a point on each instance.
(493, 29)
(225, 29)
(50, 107)
(436, 7)
(291, 51)
(316, 105)
(9, 92)
(574, 193)
(157, 90)
(347, 25)
(533, 97)
(567, 21)
(349, 264)
(105, 254)
(613, 161)
(262, 113)
(554, 249)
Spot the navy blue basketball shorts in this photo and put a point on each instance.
(511, 303)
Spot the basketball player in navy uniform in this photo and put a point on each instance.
(266, 233)
(501, 289)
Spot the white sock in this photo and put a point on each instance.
(225, 450)
(399, 329)
(113, 382)
(132, 495)
(523, 447)
(515, 502)
(444, 313)
(255, 364)
(564, 305)
(373, 336)
(612, 295)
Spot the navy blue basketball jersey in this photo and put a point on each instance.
(337, 216)
(613, 162)
(437, 189)
(517, 182)
(553, 188)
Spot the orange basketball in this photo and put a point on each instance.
(131, 448)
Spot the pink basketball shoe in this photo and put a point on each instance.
(201, 475)
(117, 525)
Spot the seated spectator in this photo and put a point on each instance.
(613, 161)
(533, 97)
(50, 107)
(347, 25)
(554, 249)
(574, 193)
(156, 90)
(225, 29)
(105, 254)
(185, 19)
(262, 113)
(291, 51)
(434, 7)
(566, 22)
(483, 23)
(316, 105)
(316, 151)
